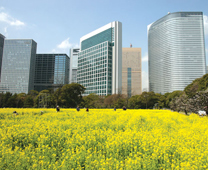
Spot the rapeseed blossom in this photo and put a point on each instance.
(102, 139)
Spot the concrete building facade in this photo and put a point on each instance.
(176, 51)
(131, 71)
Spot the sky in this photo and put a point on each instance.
(58, 25)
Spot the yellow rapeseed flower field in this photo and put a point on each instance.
(102, 139)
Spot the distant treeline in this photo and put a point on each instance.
(193, 98)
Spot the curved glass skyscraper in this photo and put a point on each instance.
(176, 51)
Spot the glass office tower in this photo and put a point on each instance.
(176, 51)
(1, 51)
(100, 60)
(73, 64)
(51, 71)
(18, 66)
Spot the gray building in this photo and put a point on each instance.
(176, 51)
(18, 65)
(51, 71)
(100, 60)
(1, 51)
(73, 54)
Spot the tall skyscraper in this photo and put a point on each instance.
(73, 64)
(18, 65)
(51, 71)
(131, 71)
(176, 51)
(1, 51)
(100, 60)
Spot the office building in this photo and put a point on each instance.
(51, 71)
(131, 71)
(18, 65)
(176, 51)
(1, 51)
(73, 54)
(100, 60)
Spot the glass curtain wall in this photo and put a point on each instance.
(95, 69)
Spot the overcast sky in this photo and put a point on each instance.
(57, 25)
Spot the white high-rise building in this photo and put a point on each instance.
(73, 54)
(176, 51)
(100, 60)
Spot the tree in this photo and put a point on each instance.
(198, 102)
(182, 102)
(115, 100)
(33, 93)
(1, 99)
(29, 102)
(135, 102)
(20, 100)
(200, 84)
(161, 101)
(6, 97)
(30, 99)
(57, 97)
(93, 101)
(148, 100)
(43, 99)
(12, 101)
(170, 96)
(71, 94)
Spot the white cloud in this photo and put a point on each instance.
(4, 17)
(145, 58)
(64, 47)
(145, 81)
(205, 18)
(65, 44)
(17, 23)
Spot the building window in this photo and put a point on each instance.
(129, 82)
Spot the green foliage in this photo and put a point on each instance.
(135, 102)
(56, 97)
(200, 84)
(71, 95)
(92, 101)
(29, 102)
(12, 101)
(115, 100)
(6, 99)
(146, 100)
(170, 96)
(33, 93)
